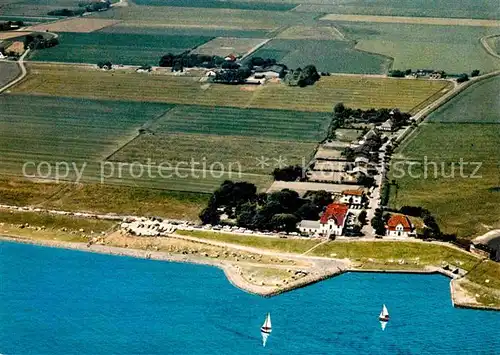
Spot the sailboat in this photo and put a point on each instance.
(266, 329)
(384, 315)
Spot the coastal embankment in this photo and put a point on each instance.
(266, 273)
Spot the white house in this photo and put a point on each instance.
(399, 226)
(309, 227)
(354, 198)
(387, 126)
(333, 220)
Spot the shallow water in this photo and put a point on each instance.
(55, 301)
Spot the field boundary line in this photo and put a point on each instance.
(106, 158)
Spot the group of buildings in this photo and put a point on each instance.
(340, 216)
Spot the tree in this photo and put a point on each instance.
(309, 211)
(246, 214)
(474, 73)
(210, 215)
(288, 199)
(462, 78)
(362, 217)
(288, 173)
(321, 198)
(339, 109)
(284, 222)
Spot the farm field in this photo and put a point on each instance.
(331, 56)
(188, 17)
(419, 8)
(359, 92)
(35, 8)
(216, 152)
(454, 49)
(242, 5)
(8, 72)
(271, 124)
(466, 206)
(79, 131)
(227, 136)
(79, 24)
(184, 31)
(224, 46)
(413, 20)
(133, 49)
(311, 32)
(466, 108)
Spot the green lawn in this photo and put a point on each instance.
(383, 252)
(119, 48)
(454, 49)
(281, 245)
(331, 56)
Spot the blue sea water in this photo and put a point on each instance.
(55, 301)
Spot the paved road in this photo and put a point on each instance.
(23, 72)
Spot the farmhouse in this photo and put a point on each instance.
(354, 198)
(399, 226)
(387, 126)
(230, 58)
(333, 220)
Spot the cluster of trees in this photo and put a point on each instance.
(10, 25)
(261, 62)
(277, 211)
(82, 8)
(378, 222)
(302, 77)
(39, 42)
(288, 173)
(399, 73)
(190, 60)
(475, 73)
(232, 76)
(343, 115)
(462, 78)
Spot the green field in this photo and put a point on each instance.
(228, 136)
(271, 124)
(353, 91)
(454, 49)
(180, 31)
(464, 204)
(55, 129)
(331, 56)
(467, 107)
(133, 49)
(8, 72)
(420, 8)
(23, 8)
(242, 5)
(189, 17)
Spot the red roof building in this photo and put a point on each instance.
(335, 211)
(399, 226)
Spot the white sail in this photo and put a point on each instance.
(266, 329)
(384, 313)
(267, 323)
